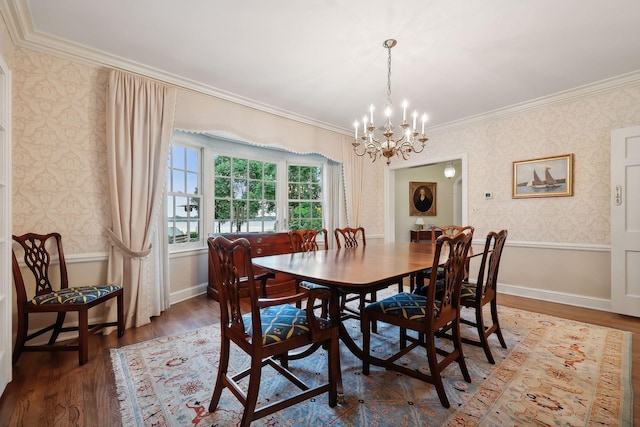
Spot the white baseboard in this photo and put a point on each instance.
(559, 297)
(188, 293)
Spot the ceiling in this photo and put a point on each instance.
(323, 62)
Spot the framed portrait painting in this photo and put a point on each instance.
(544, 177)
(422, 198)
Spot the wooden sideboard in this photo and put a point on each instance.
(262, 244)
(417, 235)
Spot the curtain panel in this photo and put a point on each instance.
(140, 115)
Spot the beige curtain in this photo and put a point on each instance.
(352, 184)
(139, 124)
(333, 194)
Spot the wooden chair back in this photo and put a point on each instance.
(488, 274)
(39, 252)
(306, 240)
(447, 230)
(448, 285)
(349, 237)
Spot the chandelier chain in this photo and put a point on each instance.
(389, 103)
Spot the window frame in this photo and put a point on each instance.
(188, 244)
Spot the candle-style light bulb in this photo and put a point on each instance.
(424, 120)
(415, 116)
(371, 113)
(355, 125)
(404, 111)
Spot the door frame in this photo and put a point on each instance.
(6, 241)
(390, 193)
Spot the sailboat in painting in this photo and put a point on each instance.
(549, 181)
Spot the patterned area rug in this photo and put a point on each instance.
(555, 372)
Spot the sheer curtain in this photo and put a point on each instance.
(139, 124)
(352, 184)
(333, 194)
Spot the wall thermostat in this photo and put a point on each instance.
(488, 195)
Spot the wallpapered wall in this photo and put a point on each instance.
(59, 150)
(582, 127)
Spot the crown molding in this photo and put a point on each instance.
(568, 95)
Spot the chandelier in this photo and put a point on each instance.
(379, 141)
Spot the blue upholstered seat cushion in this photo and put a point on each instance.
(468, 291)
(403, 304)
(311, 285)
(281, 322)
(79, 295)
(422, 290)
(426, 274)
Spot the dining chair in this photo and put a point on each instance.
(271, 327)
(306, 240)
(52, 294)
(484, 292)
(426, 315)
(417, 282)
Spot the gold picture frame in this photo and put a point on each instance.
(543, 177)
(422, 198)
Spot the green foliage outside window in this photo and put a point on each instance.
(305, 197)
(245, 190)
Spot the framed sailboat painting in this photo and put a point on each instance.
(544, 177)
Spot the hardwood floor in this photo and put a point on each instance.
(71, 395)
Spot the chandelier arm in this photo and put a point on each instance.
(415, 150)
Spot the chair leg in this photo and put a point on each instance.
(252, 391)
(58, 325)
(120, 308)
(223, 366)
(433, 369)
(494, 318)
(482, 335)
(457, 347)
(83, 336)
(21, 336)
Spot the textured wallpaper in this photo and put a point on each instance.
(59, 151)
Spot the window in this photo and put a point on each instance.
(218, 186)
(183, 200)
(305, 197)
(244, 195)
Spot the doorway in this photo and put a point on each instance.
(397, 222)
